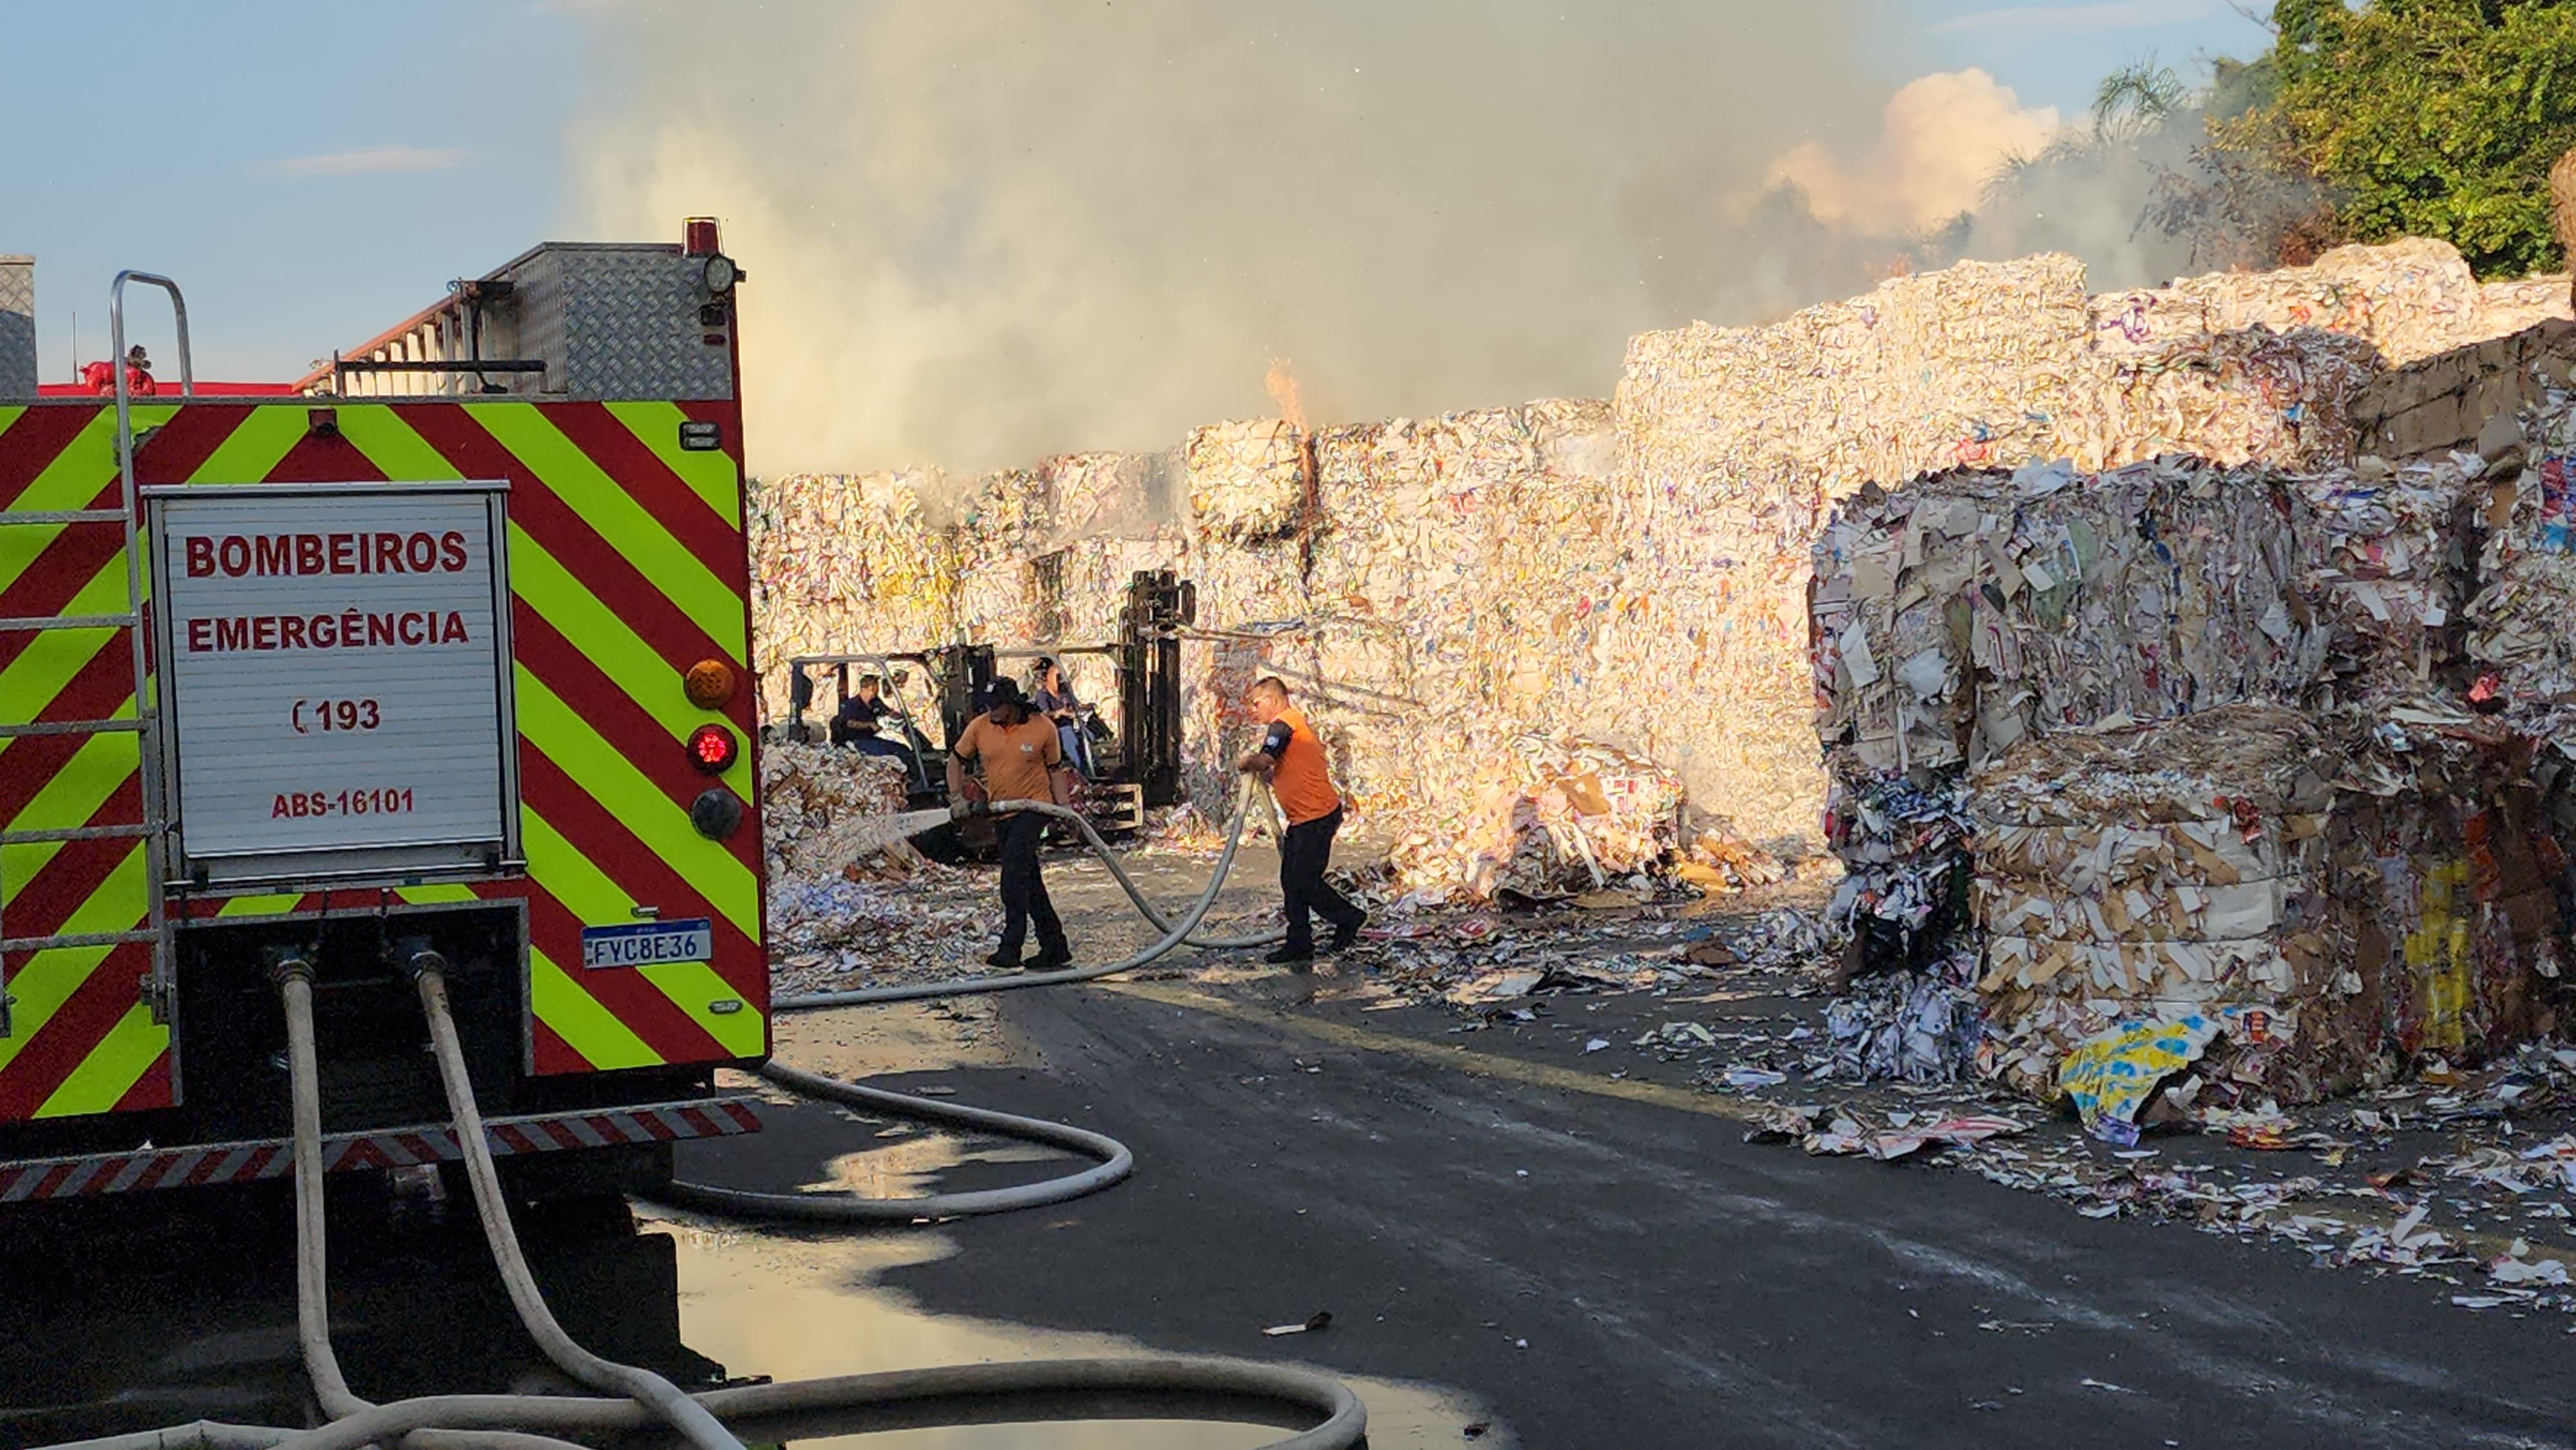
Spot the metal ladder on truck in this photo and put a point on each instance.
(145, 725)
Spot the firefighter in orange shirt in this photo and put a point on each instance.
(1302, 782)
(1018, 752)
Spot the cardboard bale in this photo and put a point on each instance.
(2519, 621)
(2381, 887)
(2161, 870)
(1976, 366)
(824, 809)
(2444, 847)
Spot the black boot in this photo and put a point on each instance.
(1050, 959)
(1346, 933)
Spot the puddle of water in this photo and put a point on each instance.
(908, 1163)
(803, 1308)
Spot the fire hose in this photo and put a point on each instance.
(1115, 1161)
(1167, 1387)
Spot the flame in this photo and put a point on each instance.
(1281, 382)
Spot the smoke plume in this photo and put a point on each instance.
(978, 233)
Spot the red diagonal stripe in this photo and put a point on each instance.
(555, 1056)
(640, 471)
(60, 571)
(726, 414)
(181, 446)
(72, 1033)
(643, 740)
(324, 460)
(31, 761)
(629, 998)
(77, 871)
(563, 533)
(152, 1090)
(30, 445)
(73, 557)
(646, 877)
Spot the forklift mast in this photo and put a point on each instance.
(1159, 605)
(1146, 656)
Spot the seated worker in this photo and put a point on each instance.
(1054, 699)
(856, 724)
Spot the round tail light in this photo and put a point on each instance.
(711, 683)
(717, 813)
(713, 749)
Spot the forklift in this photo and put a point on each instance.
(1136, 767)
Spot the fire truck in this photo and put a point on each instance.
(443, 648)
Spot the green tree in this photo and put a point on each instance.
(2425, 117)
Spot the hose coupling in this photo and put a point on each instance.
(420, 959)
(289, 964)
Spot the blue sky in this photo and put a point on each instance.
(311, 173)
(2052, 53)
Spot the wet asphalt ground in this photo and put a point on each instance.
(1514, 1247)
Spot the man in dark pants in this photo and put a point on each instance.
(1018, 751)
(1302, 782)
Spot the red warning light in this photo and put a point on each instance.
(712, 749)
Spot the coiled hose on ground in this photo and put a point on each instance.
(1115, 1161)
(1057, 1390)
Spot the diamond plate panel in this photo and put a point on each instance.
(17, 327)
(619, 322)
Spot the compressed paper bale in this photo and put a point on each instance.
(841, 564)
(2178, 865)
(2386, 559)
(824, 809)
(2443, 828)
(1249, 480)
(1765, 430)
(2506, 307)
(1637, 572)
(2518, 623)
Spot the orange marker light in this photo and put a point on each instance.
(711, 684)
(712, 749)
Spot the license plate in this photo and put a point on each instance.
(648, 943)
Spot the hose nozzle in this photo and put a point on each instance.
(964, 809)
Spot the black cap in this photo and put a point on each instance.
(1002, 688)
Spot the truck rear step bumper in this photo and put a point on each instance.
(29, 1179)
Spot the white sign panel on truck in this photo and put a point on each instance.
(336, 685)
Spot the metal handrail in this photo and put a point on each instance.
(146, 699)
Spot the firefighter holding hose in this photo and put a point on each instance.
(1019, 754)
(1302, 782)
